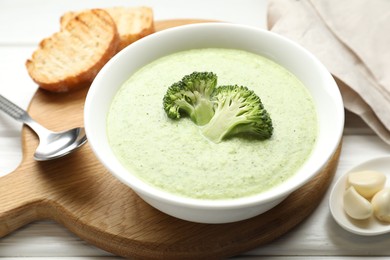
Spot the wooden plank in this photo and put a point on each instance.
(23, 23)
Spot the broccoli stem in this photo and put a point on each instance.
(202, 113)
(226, 117)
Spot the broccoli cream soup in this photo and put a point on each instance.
(174, 156)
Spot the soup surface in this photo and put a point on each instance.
(172, 154)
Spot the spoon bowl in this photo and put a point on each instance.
(52, 145)
(367, 227)
(56, 145)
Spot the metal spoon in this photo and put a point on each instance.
(51, 144)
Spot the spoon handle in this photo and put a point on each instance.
(12, 109)
(21, 115)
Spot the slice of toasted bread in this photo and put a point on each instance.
(132, 23)
(72, 57)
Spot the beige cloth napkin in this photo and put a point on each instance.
(352, 39)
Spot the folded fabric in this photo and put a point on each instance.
(352, 39)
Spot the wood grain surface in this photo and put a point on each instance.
(77, 192)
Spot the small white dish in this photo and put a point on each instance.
(367, 227)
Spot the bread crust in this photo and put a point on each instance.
(72, 57)
(133, 23)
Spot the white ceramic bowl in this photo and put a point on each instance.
(300, 62)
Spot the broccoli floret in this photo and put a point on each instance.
(191, 96)
(238, 110)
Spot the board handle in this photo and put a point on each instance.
(21, 197)
(18, 205)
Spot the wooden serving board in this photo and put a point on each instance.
(80, 194)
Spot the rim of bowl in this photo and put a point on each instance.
(143, 188)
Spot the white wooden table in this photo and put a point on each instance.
(23, 23)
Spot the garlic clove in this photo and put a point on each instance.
(381, 205)
(367, 183)
(355, 205)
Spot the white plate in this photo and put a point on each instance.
(368, 227)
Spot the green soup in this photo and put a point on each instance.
(172, 154)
